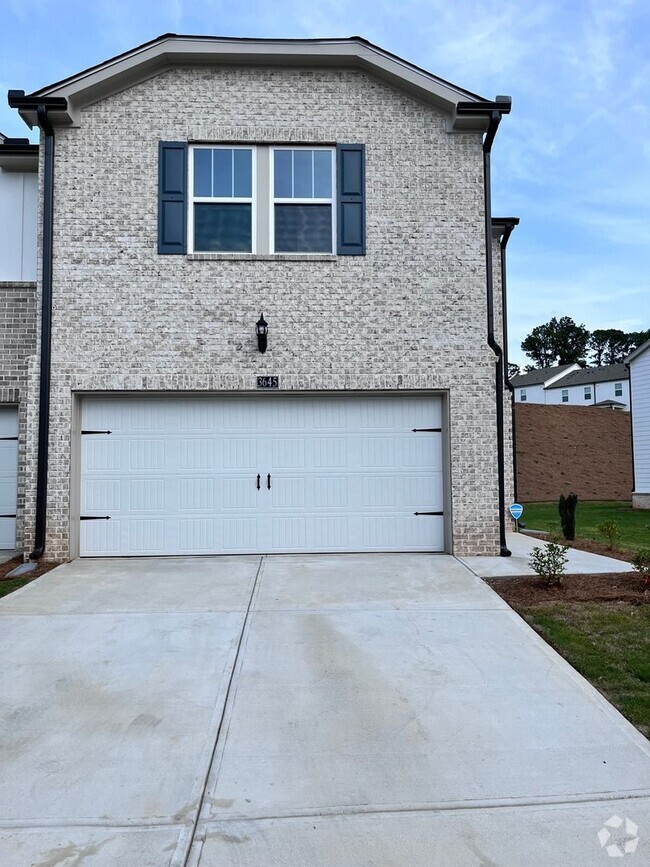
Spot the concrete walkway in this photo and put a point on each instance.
(521, 545)
(317, 710)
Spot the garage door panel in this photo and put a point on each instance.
(197, 536)
(346, 474)
(197, 494)
(239, 493)
(241, 453)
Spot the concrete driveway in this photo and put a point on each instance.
(318, 710)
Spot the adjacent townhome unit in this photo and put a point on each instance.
(18, 313)
(531, 387)
(606, 386)
(638, 364)
(267, 269)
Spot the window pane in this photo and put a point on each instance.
(221, 228)
(282, 171)
(323, 174)
(222, 176)
(202, 172)
(243, 174)
(302, 174)
(303, 228)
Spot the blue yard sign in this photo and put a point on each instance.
(516, 510)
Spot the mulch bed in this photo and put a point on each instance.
(42, 567)
(627, 587)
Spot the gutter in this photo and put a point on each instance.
(508, 224)
(495, 111)
(18, 100)
(629, 370)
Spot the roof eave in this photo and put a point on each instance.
(637, 352)
(170, 50)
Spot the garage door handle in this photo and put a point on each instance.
(258, 481)
(268, 481)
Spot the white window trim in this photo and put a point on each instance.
(587, 392)
(523, 397)
(618, 389)
(192, 199)
(565, 393)
(282, 201)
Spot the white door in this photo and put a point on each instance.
(8, 475)
(261, 474)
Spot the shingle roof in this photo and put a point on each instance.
(537, 377)
(589, 375)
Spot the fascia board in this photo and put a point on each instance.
(549, 382)
(149, 60)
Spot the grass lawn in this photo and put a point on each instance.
(608, 643)
(634, 524)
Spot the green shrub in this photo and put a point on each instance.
(567, 510)
(641, 563)
(610, 530)
(549, 562)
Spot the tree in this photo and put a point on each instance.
(608, 346)
(611, 345)
(513, 370)
(559, 341)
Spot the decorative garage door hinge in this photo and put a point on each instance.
(427, 430)
(94, 517)
(7, 516)
(4, 439)
(428, 513)
(96, 431)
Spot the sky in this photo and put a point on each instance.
(572, 160)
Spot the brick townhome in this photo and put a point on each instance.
(199, 182)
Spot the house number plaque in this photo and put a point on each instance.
(268, 382)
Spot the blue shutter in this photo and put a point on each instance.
(172, 206)
(351, 195)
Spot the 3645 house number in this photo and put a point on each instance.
(268, 382)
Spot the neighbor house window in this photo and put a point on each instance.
(587, 392)
(618, 389)
(565, 395)
(522, 394)
(303, 213)
(222, 202)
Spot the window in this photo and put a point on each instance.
(618, 389)
(522, 394)
(587, 390)
(221, 200)
(303, 205)
(565, 395)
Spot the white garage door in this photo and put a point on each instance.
(260, 475)
(8, 475)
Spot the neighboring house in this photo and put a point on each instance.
(531, 387)
(18, 209)
(199, 182)
(607, 386)
(638, 364)
(570, 384)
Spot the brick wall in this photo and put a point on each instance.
(572, 448)
(408, 315)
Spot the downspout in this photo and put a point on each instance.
(46, 337)
(17, 99)
(509, 226)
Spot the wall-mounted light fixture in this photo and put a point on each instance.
(262, 330)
